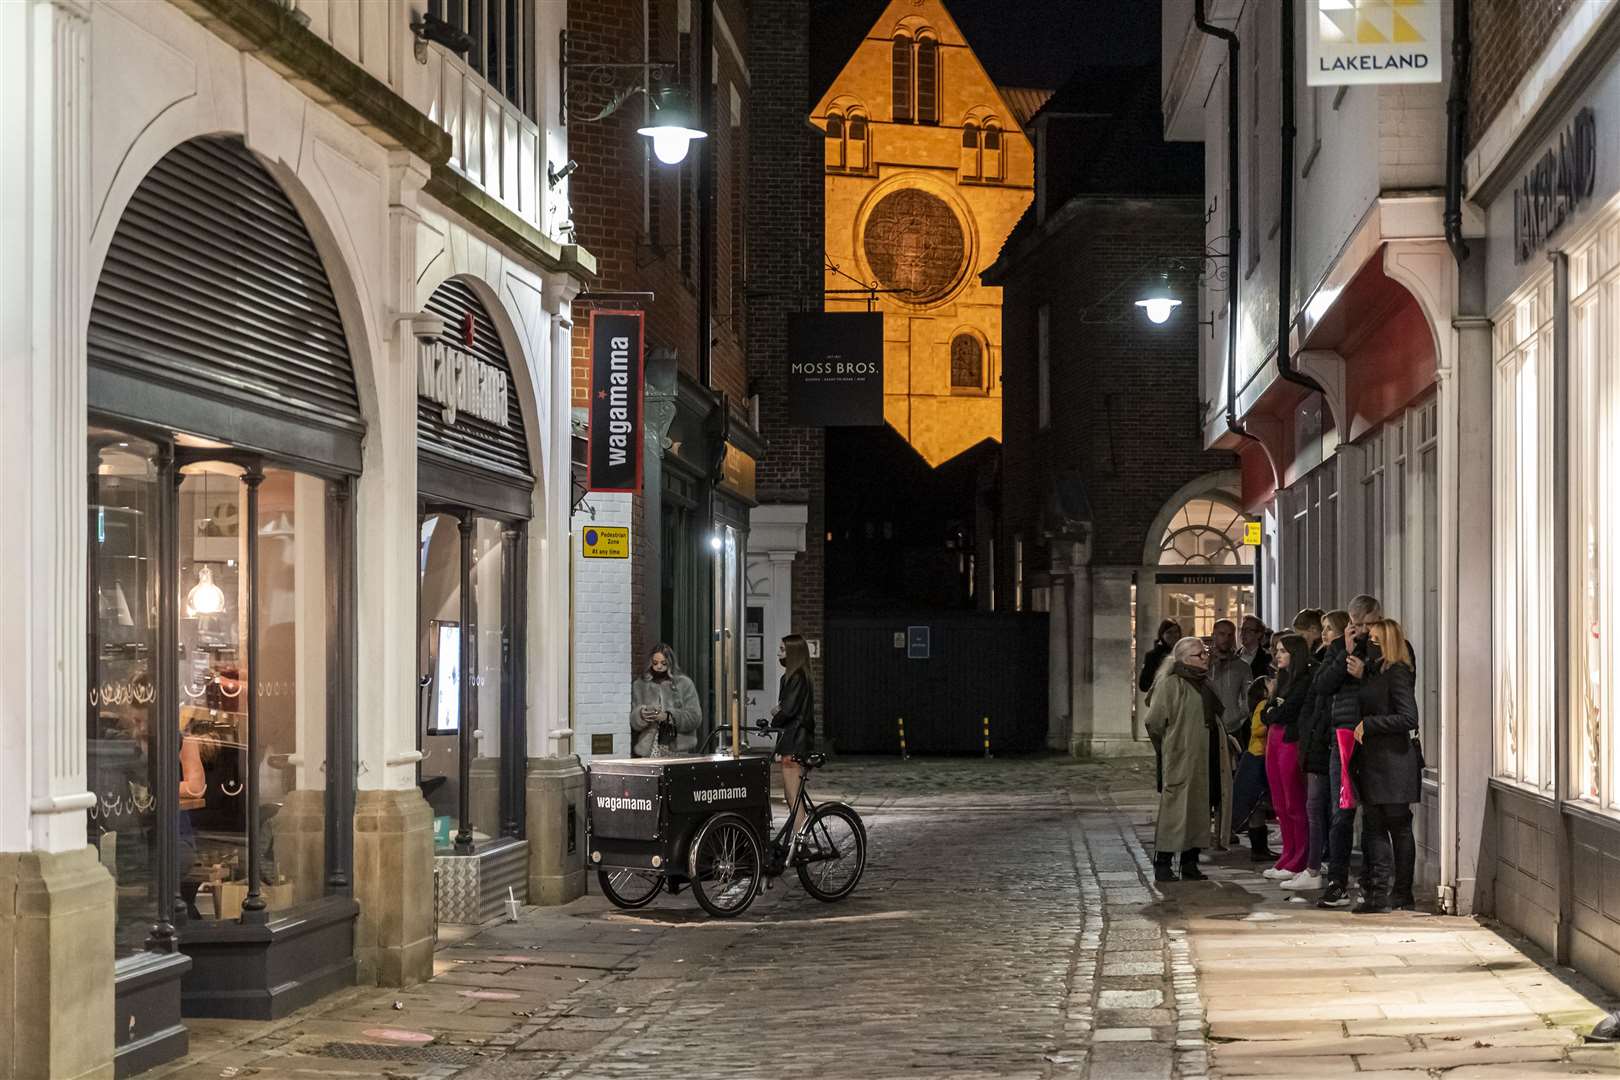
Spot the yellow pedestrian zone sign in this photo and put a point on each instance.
(605, 542)
(1251, 533)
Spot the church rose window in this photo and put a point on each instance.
(914, 244)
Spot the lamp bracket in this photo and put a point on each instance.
(602, 80)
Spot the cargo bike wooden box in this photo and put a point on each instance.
(704, 821)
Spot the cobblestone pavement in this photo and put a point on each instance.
(1007, 926)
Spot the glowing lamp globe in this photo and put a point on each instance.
(1158, 308)
(670, 127)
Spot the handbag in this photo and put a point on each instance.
(1347, 748)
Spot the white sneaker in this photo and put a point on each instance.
(1304, 881)
(1274, 874)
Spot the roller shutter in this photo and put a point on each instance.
(214, 314)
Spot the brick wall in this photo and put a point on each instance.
(1124, 393)
(784, 276)
(629, 209)
(603, 663)
(1509, 36)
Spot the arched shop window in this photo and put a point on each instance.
(224, 439)
(1206, 533)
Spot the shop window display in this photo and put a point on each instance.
(252, 608)
(464, 651)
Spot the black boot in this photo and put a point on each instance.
(1258, 852)
(1163, 868)
(1189, 866)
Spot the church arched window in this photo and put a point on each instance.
(927, 80)
(900, 82)
(967, 364)
(994, 166)
(835, 141)
(970, 150)
(858, 151)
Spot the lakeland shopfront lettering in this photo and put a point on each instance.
(462, 384)
(1415, 61)
(1555, 186)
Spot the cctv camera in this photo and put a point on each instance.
(427, 327)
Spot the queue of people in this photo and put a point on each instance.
(1320, 722)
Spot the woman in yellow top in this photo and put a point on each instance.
(1249, 787)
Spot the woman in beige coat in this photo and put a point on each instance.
(1182, 710)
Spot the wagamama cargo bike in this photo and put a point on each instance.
(704, 821)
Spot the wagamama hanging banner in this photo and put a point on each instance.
(613, 462)
(1372, 41)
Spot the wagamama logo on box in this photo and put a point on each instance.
(621, 802)
(713, 794)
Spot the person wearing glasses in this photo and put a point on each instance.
(1182, 709)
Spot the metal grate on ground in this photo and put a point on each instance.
(404, 1055)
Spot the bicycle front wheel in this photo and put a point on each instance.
(832, 853)
(629, 889)
(725, 865)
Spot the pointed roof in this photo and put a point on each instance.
(934, 12)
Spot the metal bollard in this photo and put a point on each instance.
(987, 737)
(904, 754)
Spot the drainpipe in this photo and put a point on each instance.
(1285, 216)
(1462, 47)
(1234, 232)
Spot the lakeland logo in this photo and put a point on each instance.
(1373, 41)
(713, 794)
(619, 802)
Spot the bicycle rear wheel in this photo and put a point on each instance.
(629, 889)
(725, 865)
(832, 853)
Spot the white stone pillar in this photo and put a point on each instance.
(393, 826)
(1082, 706)
(1112, 681)
(44, 189)
(56, 899)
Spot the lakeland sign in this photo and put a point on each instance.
(1372, 41)
(1556, 184)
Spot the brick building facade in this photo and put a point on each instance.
(1102, 440)
(784, 276)
(689, 524)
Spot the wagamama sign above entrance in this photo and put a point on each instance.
(461, 383)
(1372, 41)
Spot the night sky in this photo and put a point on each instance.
(1036, 43)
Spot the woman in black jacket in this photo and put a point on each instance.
(1314, 734)
(1387, 767)
(794, 717)
(1283, 776)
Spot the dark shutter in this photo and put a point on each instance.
(468, 462)
(214, 315)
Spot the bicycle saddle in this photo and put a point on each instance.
(814, 761)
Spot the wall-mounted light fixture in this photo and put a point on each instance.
(555, 176)
(671, 127)
(428, 27)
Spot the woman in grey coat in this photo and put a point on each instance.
(1182, 710)
(665, 716)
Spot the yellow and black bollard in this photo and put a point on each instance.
(987, 737)
(904, 754)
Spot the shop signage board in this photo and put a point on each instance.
(835, 369)
(605, 542)
(1372, 41)
(613, 461)
(1560, 180)
(918, 642)
(1252, 533)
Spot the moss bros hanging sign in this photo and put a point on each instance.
(1561, 179)
(835, 369)
(613, 462)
